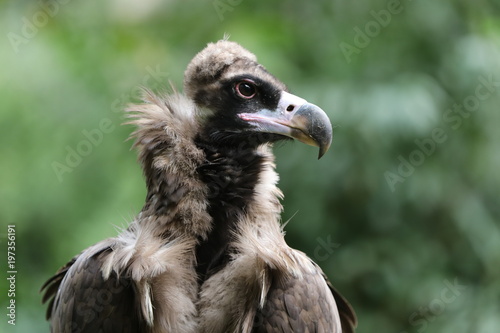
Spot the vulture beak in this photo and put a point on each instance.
(295, 118)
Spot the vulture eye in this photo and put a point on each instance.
(245, 89)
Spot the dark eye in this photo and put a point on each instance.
(245, 89)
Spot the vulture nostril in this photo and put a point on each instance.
(290, 107)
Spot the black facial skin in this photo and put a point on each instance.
(224, 127)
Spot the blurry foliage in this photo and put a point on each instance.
(395, 245)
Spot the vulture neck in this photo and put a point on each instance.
(198, 188)
(176, 203)
(238, 180)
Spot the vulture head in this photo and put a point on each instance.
(242, 102)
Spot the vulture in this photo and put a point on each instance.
(206, 254)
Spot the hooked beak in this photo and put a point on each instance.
(295, 118)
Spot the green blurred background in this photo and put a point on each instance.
(402, 213)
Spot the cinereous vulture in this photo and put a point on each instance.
(207, 252)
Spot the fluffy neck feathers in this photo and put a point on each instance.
(164, 136)
(194, 187)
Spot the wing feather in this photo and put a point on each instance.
(81, 300)
(347, 315)
(305, 303)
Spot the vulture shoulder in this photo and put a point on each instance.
(251, 295)
(82, 300)
(304, 302)
(267, 286)
(131, 283)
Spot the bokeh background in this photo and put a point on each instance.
(402, 213)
